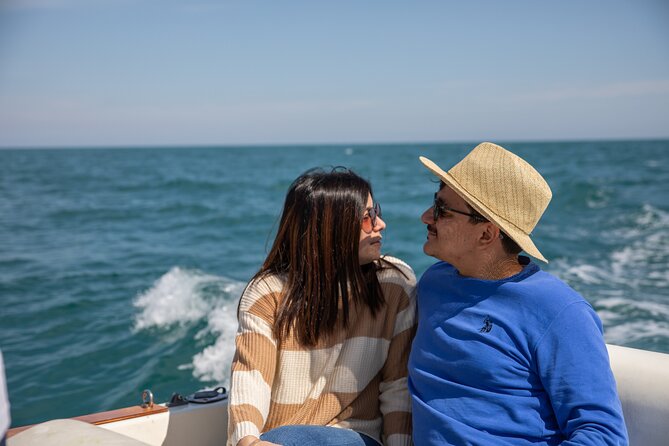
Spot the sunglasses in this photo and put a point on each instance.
(439, 209)
(369, 220)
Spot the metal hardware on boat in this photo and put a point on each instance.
(208, 396)
(177, 400)
(199, 397)
(147, 399)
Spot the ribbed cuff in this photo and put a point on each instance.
(242, 430)
(399, 440)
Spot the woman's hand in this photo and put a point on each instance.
(250, 440)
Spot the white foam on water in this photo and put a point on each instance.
(661, 278)
(644, 261)
(652, 309)
(184, 297)
(600, 199)
(213, 363)
(608, 317)
(653, 217)
(173, 299)
(651, 319)
(641, 261)
(630, 332)
(628, 286)
(584, 273)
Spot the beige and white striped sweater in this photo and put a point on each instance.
(356, 379)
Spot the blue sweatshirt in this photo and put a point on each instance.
(519, 361)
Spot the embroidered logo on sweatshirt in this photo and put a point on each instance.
(487, 325)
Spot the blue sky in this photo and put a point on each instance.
(148, 72)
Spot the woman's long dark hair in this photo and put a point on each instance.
(316, 250)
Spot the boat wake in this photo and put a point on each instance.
(628, 285)
(185, 298)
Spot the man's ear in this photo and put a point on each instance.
(489, 233)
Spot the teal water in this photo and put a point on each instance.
(120, 268)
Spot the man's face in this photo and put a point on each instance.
(452, 236)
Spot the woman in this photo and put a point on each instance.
(325, 326)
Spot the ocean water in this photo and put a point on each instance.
(120, 269)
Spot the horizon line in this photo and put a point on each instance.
(321, 144)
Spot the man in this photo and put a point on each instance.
(505, 354)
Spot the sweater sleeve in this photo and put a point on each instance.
(573, 365)
(394, 398)
(254, 362)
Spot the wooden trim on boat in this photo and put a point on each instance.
(106, 417)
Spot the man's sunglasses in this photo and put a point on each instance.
(439, 209)
(369, 220)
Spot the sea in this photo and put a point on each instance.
(121, 268)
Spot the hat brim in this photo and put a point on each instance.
(517, 235)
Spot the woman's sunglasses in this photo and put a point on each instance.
(369, 220)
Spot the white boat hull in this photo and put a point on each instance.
(642, 378)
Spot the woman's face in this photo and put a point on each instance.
(370, 242)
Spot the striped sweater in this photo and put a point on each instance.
(355, 379)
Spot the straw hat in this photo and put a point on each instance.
(503, 188)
